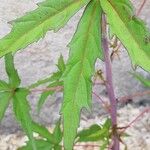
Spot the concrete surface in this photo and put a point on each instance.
(38, 60)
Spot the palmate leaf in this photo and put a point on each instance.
(85, 48)
(130, 30)
(50, 15)
(22, 109)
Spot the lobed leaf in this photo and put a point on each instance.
(43, 132)
(12, 73)
(4, 86)
(4, 102)
(55, 76)
(45, 94)
(57, 133)
(21, 109)
(85, 48)
(131, 31)
(91, 134)
(95, 133)
(50, 15)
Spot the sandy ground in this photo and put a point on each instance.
(38, 60)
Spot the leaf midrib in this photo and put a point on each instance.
(85, 45)
(125, 25)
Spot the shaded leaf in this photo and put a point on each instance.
(21, 109)
(45, 94)
(85, 47)
(41, 145)
(4, 86)
(43, 132)
(57, 147)
(131, 31)
(91, 134)
(95, 133)
(57, 132)
(12, 73)
(50, 15)
(4, 102)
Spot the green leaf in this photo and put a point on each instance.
(57, 132)
(41, 145)
(12, 73)
(57, 147)
(130, 30)
(61, 64)
(43, 132)
(21, 109)
(95, 133)
(55, 76)
(4, 102)
(50, 15)
(104, 145)
(85, 48)
(45, 94)
(4, 86)
(91, 134)
(145, 82)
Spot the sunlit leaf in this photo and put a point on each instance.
(57, 132)
(12, 73)
(85, 47)
(61, 64)
(131, 31)
(50, 15)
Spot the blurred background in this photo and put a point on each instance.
(38, 61)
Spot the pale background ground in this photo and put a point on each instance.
(38, 60)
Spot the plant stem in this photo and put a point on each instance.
(125, 99)
(109, 86)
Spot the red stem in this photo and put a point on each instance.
(105, 105)
(109, 86)
(137, 94)
(133, 121)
